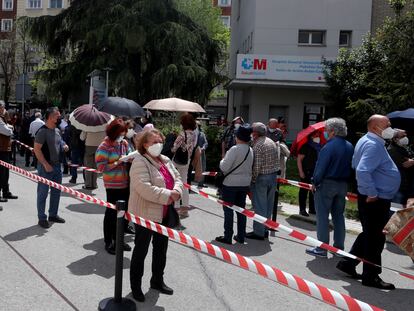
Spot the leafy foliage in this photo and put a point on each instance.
(377, 77)
(153, 49)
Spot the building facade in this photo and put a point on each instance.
(225, 6)
(277, 47)
(7, 17)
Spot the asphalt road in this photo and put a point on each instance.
(71, 258)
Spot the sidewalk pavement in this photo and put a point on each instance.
(290, 210)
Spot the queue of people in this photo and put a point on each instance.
(253, 156)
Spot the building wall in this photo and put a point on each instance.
(380, 11)
(274, 25)
(7, 14)
(225, 10)
(23, 10)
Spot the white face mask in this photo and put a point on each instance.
(316, 140)
(119, 139)
(272, 130)
(130, 133)
(155, 149)
(403, 141)
(237, 125)
(388, 133)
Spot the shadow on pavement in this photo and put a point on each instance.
(394, 300)
(250, 248)
(150, 303)
(325, 267)
(86, 208)
(22, 234)
(391, 247)
(101, 263)
(301, 223)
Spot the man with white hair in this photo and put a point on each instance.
(330, 183)
(264, 178)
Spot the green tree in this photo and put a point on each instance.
(153, 49)
(377, 77)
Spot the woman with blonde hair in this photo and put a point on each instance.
(155, 184)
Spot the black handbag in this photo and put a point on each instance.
(221, 176)
(181, 156)
(172, 219)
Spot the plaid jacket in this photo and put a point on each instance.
(266, 157)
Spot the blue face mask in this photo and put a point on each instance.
(326, 135)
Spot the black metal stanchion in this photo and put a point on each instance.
(118, 303)
(14, 147)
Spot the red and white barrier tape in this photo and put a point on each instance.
(350, 196)
(80, 167)
(303, 286)
(291, 232)
(24, 145)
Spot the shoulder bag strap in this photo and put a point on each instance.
(248, 151)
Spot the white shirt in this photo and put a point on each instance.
(35, 126)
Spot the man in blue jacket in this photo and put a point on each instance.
(330, 181)
(378, 181)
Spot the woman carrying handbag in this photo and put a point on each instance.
(155, 186)
(237, 169)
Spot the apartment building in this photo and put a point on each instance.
(225, 6)
(27, 64)
(277, 48)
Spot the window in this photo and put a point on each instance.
(224, 2)
(6, 25)
(345, 38)
(55, 4)
(226, 20)
(311, 37)
(34, 4)
(7, 5)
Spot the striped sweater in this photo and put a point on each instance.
(108, 152)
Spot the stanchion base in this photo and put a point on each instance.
(109, 304)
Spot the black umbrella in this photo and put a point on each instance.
(121, 107)
(403, 120)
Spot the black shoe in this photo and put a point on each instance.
(254, 236)
(312, 212)
(89, 188)
(3, 200)
(377, 282)
(33, 164)
(129, 230)
(303, 213)
(1, 208)
(127, 248)
(10, 195)
(138, 295)
(44, 224)
(164, 289)
(27, 164)
(72, 181)
(266, 235)
(273, 230)
(110, 248)
(56, 219)
(222, 239)
(346, 267)
(238, 240)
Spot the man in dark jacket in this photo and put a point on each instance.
(6, 133)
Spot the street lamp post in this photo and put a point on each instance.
(107, 70)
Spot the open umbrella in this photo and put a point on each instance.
(174, 104)
(89, 119)
(302, 137)
(121, 107)
(403, 120)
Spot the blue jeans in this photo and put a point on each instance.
(235, 196)
(43, 189)
(330, 198)
(76, 156)
(263, 199)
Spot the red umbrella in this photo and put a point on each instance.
(302, 137)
